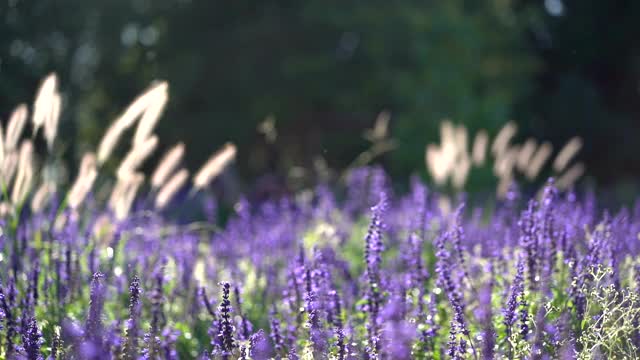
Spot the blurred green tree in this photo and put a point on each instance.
(323, 69)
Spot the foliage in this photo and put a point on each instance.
(407, 280)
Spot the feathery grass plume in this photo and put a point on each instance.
(2, 150)
(41, 196)
(136, 156)
(86, 177)
(125, 121)
(461, 172)
(17, 121)
(165, 167)
(501, 142)
(109, 141)
(479, 151)
(565, 155)
(44, 102)
(538, 160)
(51, 123)
(461, 163)
(504, 183)
(22, 185)
(451, 158)
(503, 166)
(9, 166)
(214, 166)
(567, 179)
(436, 164)
(168, 191)
(461, 138)
(449, 149)
(157, 100)
(526, 152)
(267, 127)
(124, 193)
(380, 128)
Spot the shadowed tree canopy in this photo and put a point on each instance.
(325, 69)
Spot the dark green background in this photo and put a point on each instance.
(324, 69)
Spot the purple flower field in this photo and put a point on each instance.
(336, 272)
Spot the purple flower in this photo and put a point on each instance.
(93, 326)
(226, 334)
(32, 339)
(259, 346)
(132, 331)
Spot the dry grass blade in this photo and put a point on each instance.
(214, 166)
(167, 165)
(137, 156)
(168, 191)
(17, 121)
(565, 155)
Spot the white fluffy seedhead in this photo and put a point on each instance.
(8, 168)
(44, 101)
(157, 100)
(167, 165)
(137, 108)
(17, 121)
(24, 178)
(169, 190)
(479, 151)
(51, 123)
(567, 153)
(124, 193)
(569, 178)
(525, 154)
(501, 142)
(87, 175)
(538, 160)
(437, 165)
(136, 156)
(41, 196)
(214, 166)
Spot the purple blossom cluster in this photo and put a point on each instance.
(376, 276)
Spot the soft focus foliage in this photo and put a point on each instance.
(323, 72)
(403, 279)
(323, 75)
